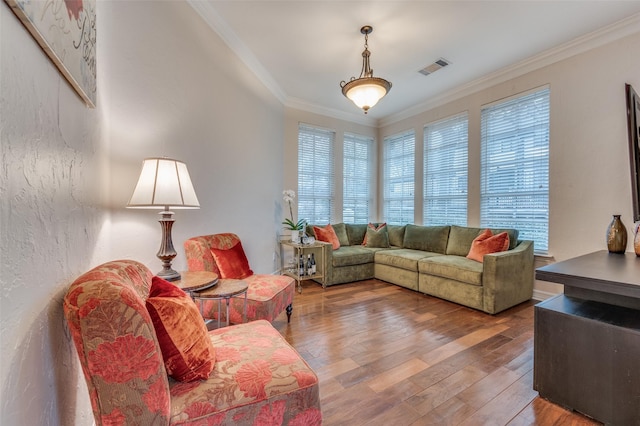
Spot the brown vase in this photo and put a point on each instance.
(636, 241)
(616, 236)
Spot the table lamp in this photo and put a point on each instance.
(164, 183)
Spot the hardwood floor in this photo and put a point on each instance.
(386, 355)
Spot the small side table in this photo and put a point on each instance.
(191, 281)
(224, 290)
(302, 250)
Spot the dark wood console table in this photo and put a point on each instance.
(587, 340)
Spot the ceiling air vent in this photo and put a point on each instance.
(430, 69)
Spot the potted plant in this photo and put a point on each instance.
(289, 195)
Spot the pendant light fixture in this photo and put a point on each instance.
(366, 90)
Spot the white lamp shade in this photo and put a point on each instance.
(163, 183)
(366, 94)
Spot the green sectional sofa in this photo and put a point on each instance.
(432, 260)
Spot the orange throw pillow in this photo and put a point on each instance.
(182, 334)
(232, 262)
(487, 243)
(328, 235)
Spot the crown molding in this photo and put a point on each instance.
(605, 35)
(301, 104)
(215, 21)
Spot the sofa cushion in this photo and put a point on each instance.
(426, 238)
(352, 255)
(402, 258)
(456, 268)
(356, 233)
(376, 236)
(232, 262)
(396, 234)
(341, 232)
(461, 237)
(513, 235)
(185, 345)
(327, 235)
(487, 243)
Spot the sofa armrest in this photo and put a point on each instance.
(507, 277)
(327, 267)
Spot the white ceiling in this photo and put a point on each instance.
(302, 49)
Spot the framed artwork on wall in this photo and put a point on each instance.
(66, 31)
(633, 125)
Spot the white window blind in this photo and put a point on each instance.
(357, 175)
(398, 178)
(446, 157)
(515, 167)
(315, 174)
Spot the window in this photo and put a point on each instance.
(315, 174)
(446, 156)
(515, 167)
(398, 178)
(358, 165)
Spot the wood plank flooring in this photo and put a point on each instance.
(386, 355)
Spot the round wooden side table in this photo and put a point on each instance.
(191, 281)
(224, 290)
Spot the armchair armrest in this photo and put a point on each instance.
(507, 277)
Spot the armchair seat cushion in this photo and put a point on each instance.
(266, 374)
(267, 297)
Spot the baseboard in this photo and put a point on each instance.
(542, 295)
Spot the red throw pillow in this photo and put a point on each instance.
(328, 235)
(182, 334)
(232, 262)
(487, 243)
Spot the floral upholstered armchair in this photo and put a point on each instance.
(267, 295)
(247, 374)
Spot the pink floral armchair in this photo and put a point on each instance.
(257, 379)
(267, 296)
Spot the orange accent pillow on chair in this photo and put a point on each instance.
(182, 334)
(487, 243)
(232, 262)
(327, 235)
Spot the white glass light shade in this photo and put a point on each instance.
(163, 183)
(366, 95)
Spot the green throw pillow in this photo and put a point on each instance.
(377, 237)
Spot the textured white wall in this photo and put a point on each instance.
(167, 86)
(174, 89)
(51, 219)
